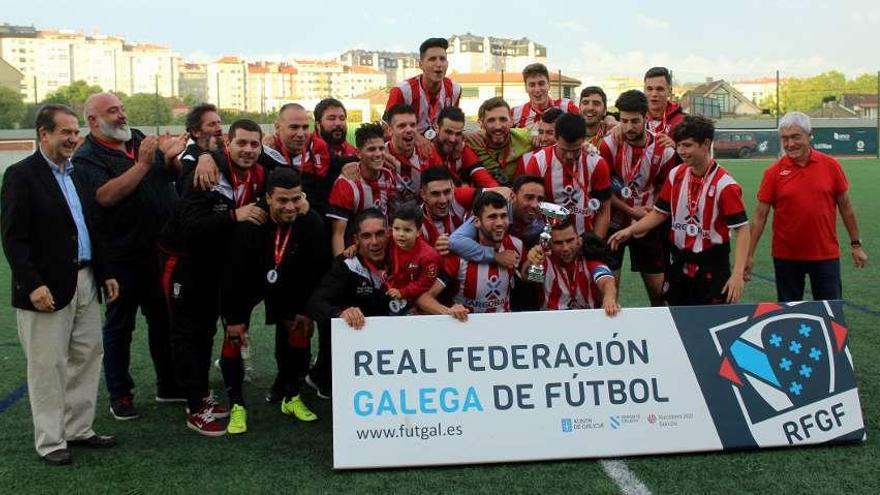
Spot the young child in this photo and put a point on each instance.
(413, 263)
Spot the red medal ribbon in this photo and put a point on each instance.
(281, 245)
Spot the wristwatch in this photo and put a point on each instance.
(856, 243)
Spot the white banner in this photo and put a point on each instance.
(429, 390)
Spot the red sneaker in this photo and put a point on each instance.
(210, 403)
(206, 423)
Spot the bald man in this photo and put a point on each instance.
(130, 181)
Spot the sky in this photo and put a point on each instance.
(733, 40)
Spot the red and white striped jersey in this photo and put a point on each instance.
(481, 287)
(349, 197)
(409, 178)
(459, 209)
(639, 171)
(528, 116)
(574, 286)
(704, 209)
(581, 188)
(413, 93)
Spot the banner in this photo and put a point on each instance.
(430, 390)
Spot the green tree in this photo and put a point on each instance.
(866, 83)
(74, 96)
(11, 108)
(145, 109)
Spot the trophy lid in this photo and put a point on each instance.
(553, 211)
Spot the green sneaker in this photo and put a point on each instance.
(297, 408)
(237, 420)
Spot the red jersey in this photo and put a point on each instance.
(459, 208)
(409, 178)
(483, 288)
(703, 209)
(639, 172)
(349, 197)
(804, 201)
(413, 272)
(467, 168)
(581, 188)
(427, 106)
(528, 115)
(670, 119)
(573, 286)
(313, 159)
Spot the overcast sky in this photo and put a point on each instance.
(588, 39)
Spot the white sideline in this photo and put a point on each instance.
(626, 480)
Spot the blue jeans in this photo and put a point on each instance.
(139, 287)
(791, 279)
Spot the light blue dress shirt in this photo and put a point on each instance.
(64, 177)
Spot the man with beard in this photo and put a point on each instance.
(130, 184)
(705, 205)
(444, 206)
(353, 288)
(594, 109)
(204, 127)
(194, 244)
(402, 146)
(536, 78)
(278, 262)
(576, 275)
(575, 177)
(478, 287)
(459, 158)
(374, 187)
(330, 122)
(525, 224)
(498, 146)
(639, 167)
(429, 92)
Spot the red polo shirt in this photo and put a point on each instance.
(804, 200)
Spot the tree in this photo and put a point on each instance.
(144, 109)
(11, 108)
(74, 96)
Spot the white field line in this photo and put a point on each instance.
(626, 480)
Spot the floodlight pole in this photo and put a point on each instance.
(777, 98)
(878, 114)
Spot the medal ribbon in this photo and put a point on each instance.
(281, 245)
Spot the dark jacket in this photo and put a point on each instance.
(348, 284)
(39, 234)
(251, 256)
(130, 228)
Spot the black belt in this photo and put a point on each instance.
(83, 264)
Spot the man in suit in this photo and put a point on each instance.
(55, 266)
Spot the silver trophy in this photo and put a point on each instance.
(553, 215)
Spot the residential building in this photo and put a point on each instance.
(715, 99)
(397, 66)
(470, 53)
(268, 81)
(479, 87)
(192, 81)
(864, 105)
(227, 83)
(757, 90)
(353, 81)
(149, 68)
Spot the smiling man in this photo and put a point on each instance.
(499, 146)
(431, 91)
(805, 188)
(402, 146)
(705, 205)
(536, 79)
